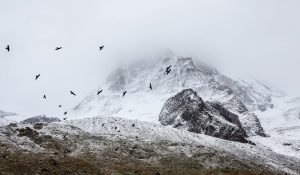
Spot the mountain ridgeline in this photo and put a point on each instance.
(232, 101)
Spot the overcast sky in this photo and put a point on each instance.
(256, 37)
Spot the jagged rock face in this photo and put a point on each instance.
(238, 96)
(188, 111)
(41, 119)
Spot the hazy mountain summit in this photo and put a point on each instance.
(238, 96)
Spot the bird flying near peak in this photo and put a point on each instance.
(150, 86)
(124, 93)
(65, 113)
(44, 97)
(59, 106)
(99, 92)
(168, 69)
(101, 47)
(72, 93)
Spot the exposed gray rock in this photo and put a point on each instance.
(188, 111)
(41, 119)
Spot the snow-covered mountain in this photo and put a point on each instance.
(134, 131)
(240, 97)
(282, 124)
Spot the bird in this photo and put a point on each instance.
(65, 113)
(101, 47)
(58, 48)
(124, 93)
(59, 106)
(168, 71)
(72, 93)
(65, 118)
(37, 76)
(44, 97)
(168, 67)
(150, 86)
(7, 48)
(99, 92)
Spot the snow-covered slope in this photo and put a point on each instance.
(118, 128)
(141, 103)
(117, 142)
(282, 124)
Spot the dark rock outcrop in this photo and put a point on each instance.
(188, 111)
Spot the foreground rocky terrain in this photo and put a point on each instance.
(119, 146)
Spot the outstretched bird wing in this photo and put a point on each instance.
(37, 76)
(72, 93)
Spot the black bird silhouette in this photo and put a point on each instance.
(65, 113)
(168, 71)
(37, 76)
(101, 47)
(59, 106)
(150, 86)
(168, 67)
(64, 118)
(44, 97)
(99, 92)
(58, 48)
(124, 93)
(72, 93)
(7, 48)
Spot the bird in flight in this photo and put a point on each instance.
(59, 106)
(37, 76)
(64, 118)
(72, 93)
(7, 48)
(58, 48)
(168, 69)
(124, 93)
(65, 113)
(44, 97)
(99, 92)
(150, 86)
(101, 47)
